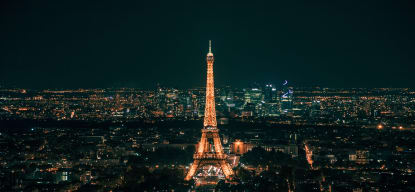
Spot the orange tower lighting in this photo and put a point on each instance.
(209, 149)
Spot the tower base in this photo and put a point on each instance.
(221, 163)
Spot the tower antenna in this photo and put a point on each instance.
(210, 46)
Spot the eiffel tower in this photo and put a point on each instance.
(209, 149)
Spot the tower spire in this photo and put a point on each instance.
(210, 46)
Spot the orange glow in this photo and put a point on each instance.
(210, 111)
(309, 155)
(210, 153)
(380, 126)
(53, 169)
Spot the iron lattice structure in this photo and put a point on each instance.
(209, 149)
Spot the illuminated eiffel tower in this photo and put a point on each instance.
(209, 150)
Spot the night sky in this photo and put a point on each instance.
(74, 44)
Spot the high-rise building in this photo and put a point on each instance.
(286, 98)
(253, 95)
(270, 93)
(271, 105)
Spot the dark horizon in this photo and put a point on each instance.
(252, 85)
(137, 44)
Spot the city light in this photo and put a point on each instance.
(127, 96)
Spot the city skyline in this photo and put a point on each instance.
(317, 139)
(136, 44)
(296, 96)
(272, 140)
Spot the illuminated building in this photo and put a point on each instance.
(209, 150)
(286, 98)
(254, 100)
(238, 147)
(254, 95)
(270, 93)
(271, 106)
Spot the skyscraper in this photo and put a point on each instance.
(271, 100)
(270, 93)
(286, 98)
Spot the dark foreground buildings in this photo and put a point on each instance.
(129, 139)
